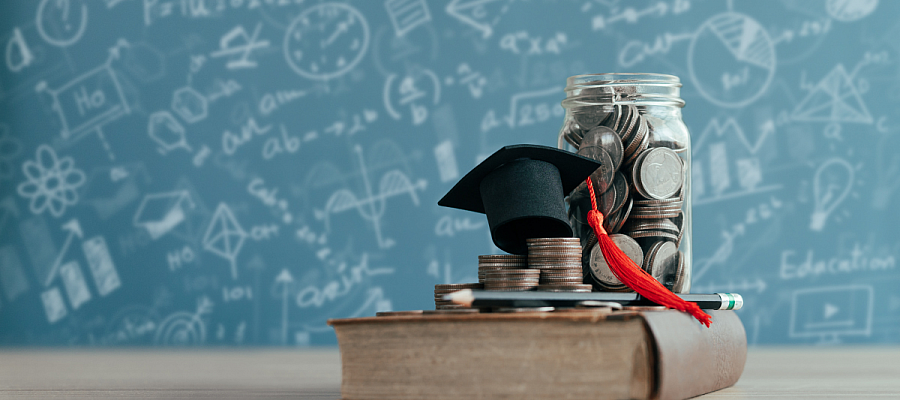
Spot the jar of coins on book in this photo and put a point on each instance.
(632, 124)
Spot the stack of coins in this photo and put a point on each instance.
(639, 190)
(559, 263)
(441, 289)
(499, 262)
(509, 280)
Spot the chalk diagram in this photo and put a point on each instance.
(482, 15)
(51, 182)
(832, 183)
(850, 10)
(90, 101)
(184, 328)
(412, 90)
(54, 21)
(326, 41)
(159, 213)
(834, 100)
(722, 153)
(744, 57)
(372, 206)
(224, 237)
(831, 312)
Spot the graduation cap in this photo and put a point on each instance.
(521, 189)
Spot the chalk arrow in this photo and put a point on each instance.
(284, 277)
(74, 229)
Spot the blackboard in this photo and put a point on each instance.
(236, 172)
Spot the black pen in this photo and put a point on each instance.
(483, 298)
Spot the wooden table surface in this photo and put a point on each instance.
(771, 373)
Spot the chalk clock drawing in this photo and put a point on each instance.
(326, 41)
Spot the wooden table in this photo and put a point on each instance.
(771, 373)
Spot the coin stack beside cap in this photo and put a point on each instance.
(441, 289)
(559, 263)
(499, 262)
(511, 280)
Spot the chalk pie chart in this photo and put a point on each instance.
(731, 60)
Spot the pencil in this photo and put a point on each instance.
(482, 298)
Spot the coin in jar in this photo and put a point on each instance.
(660, 173)
(607, 139)
(602, 176)
(599, 267)
(663, 259)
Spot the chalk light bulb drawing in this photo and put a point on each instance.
(831, 185)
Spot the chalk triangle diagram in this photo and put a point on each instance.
(479, 14)
(834, 99)
(224, 237)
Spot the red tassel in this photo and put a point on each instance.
(633, 275)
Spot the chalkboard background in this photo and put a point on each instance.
(236, 172)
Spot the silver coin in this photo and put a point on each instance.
(572, 132)
(660, 173)
(600, 269)
(670, 134)
(663, 260)
(680, 278)
(625, 215)
(622, 192)
(607, 139)
(590, 116)
(602, 176)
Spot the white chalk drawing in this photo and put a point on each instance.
(57, 23)
(832, 183)
(407, 14)
(39, 244)
(482, 15)
(850, 10)
(76, 287)
(90, 101)
(12, 275)
(10, 148)
(18, 54)
(830, 312)
(326, 41)
(533, 45)
(190, 105)
(167, 132)
(285, 279)
(527, 108)
(224, 237)
(414, 89)
(100, 263)
(745, 60)
(636, 51)
(54, 306)
(631, 15)
(835, 99)
(446, 161)
(184, 328)
(719, 145)
(474, 80)
(51, 182)
(159, 213)
(237, 45)
(73, 228)
(371, 207)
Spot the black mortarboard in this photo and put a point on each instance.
(521, 189)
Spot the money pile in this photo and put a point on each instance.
(559, 263)
(498, 263)
(441, 289)
(639, 190)
(513, 279)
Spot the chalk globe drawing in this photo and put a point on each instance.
(731, 60)
(326, 41)
(181, 329)
(51, 182)
(850, 10)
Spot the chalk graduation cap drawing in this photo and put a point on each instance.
(521, 189)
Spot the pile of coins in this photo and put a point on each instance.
(639, 190)
(499, 263)
(447, 288)
(559, 263)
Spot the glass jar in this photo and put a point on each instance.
(632, 124)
